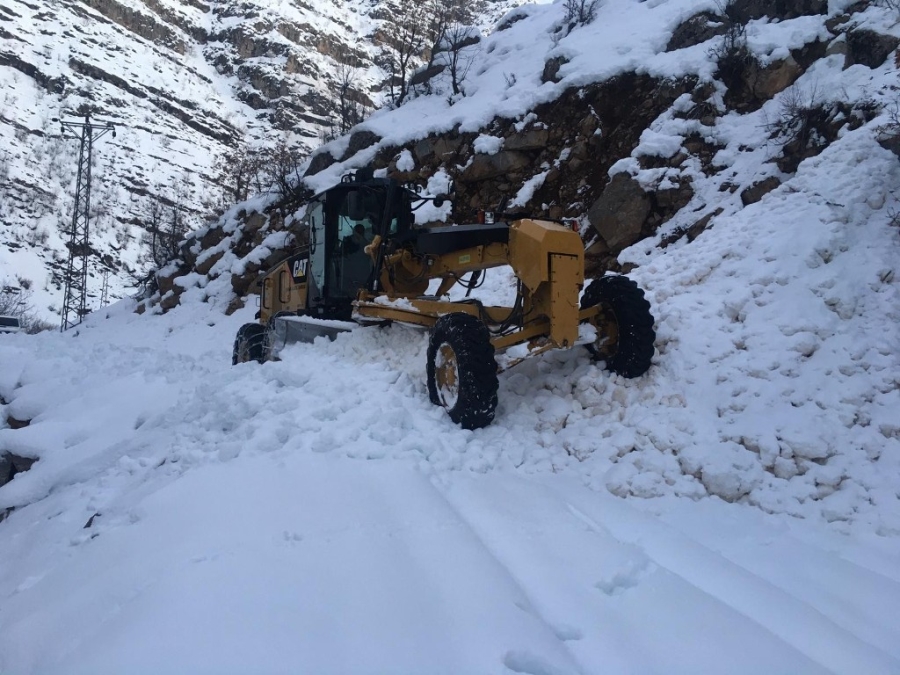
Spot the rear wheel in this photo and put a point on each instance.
(625, 334)
(462, 373)
(249, 344)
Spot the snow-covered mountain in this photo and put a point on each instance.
(736, 509)
(192, 87)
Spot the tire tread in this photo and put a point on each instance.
(478, 383)
(635, 346)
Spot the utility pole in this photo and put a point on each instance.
(74, 308)
(104, 294)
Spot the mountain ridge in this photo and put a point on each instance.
(189, 86)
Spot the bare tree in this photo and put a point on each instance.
(453, 52)
(350, 112)
(11, 300)
(580, 12)
(406, 42)
(239, 167)
(731, 53)
(282, 167)
(447, 31)
(16, 301)
(166, 221)
(160, 231)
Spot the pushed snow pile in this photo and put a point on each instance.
(790, 349)
(775, 383)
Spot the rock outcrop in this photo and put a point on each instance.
(586, 155)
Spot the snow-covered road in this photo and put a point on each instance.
(330, 566)
(320, 515)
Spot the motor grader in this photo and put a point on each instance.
(368, 262)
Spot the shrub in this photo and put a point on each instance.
(582, 12)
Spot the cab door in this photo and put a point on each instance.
(318, 245)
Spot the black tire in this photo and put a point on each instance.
(249, 344)
(625, 335)
(462, 373)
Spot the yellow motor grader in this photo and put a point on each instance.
(367, 262)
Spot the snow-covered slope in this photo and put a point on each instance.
(736, 509)
(190, 86)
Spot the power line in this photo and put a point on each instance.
(74, 308)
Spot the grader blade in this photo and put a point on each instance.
(287, 330)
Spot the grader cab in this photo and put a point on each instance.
(367, 262)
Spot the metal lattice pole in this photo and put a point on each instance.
(75, 302)
(104, 294)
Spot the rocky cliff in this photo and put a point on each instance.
(722, 110)
(193, 87)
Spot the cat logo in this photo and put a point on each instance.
(298, 269)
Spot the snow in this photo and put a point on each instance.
(657, 144)
(526, 192)
(736, 509)
(487, 145)
(405, 161)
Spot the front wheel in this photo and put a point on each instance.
(249, 344)
(462, 373)
(625, 335)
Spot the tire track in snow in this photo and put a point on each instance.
(793, 621)
(627, 613)
(520, 661)
(859, 600)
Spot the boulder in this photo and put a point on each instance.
(212, 237)
(426, 74)
(11, 464)
(758, 190)
(439, 147)
(775, 78)
(233, 306)
(14, 423)
(748, 10)
(423, 150)
(619, 214)
(868, 48)
(241, 283)
(696, 30)
(666, 203)
(750, 84)
(837, 46)
(701, 225)
(360, 140)
(254, 223)
(169, 300)
(891, 142)
(532, 139)
(166, 283)
(551, 69)
(493, 166)
(319, 163)
(204, 265)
